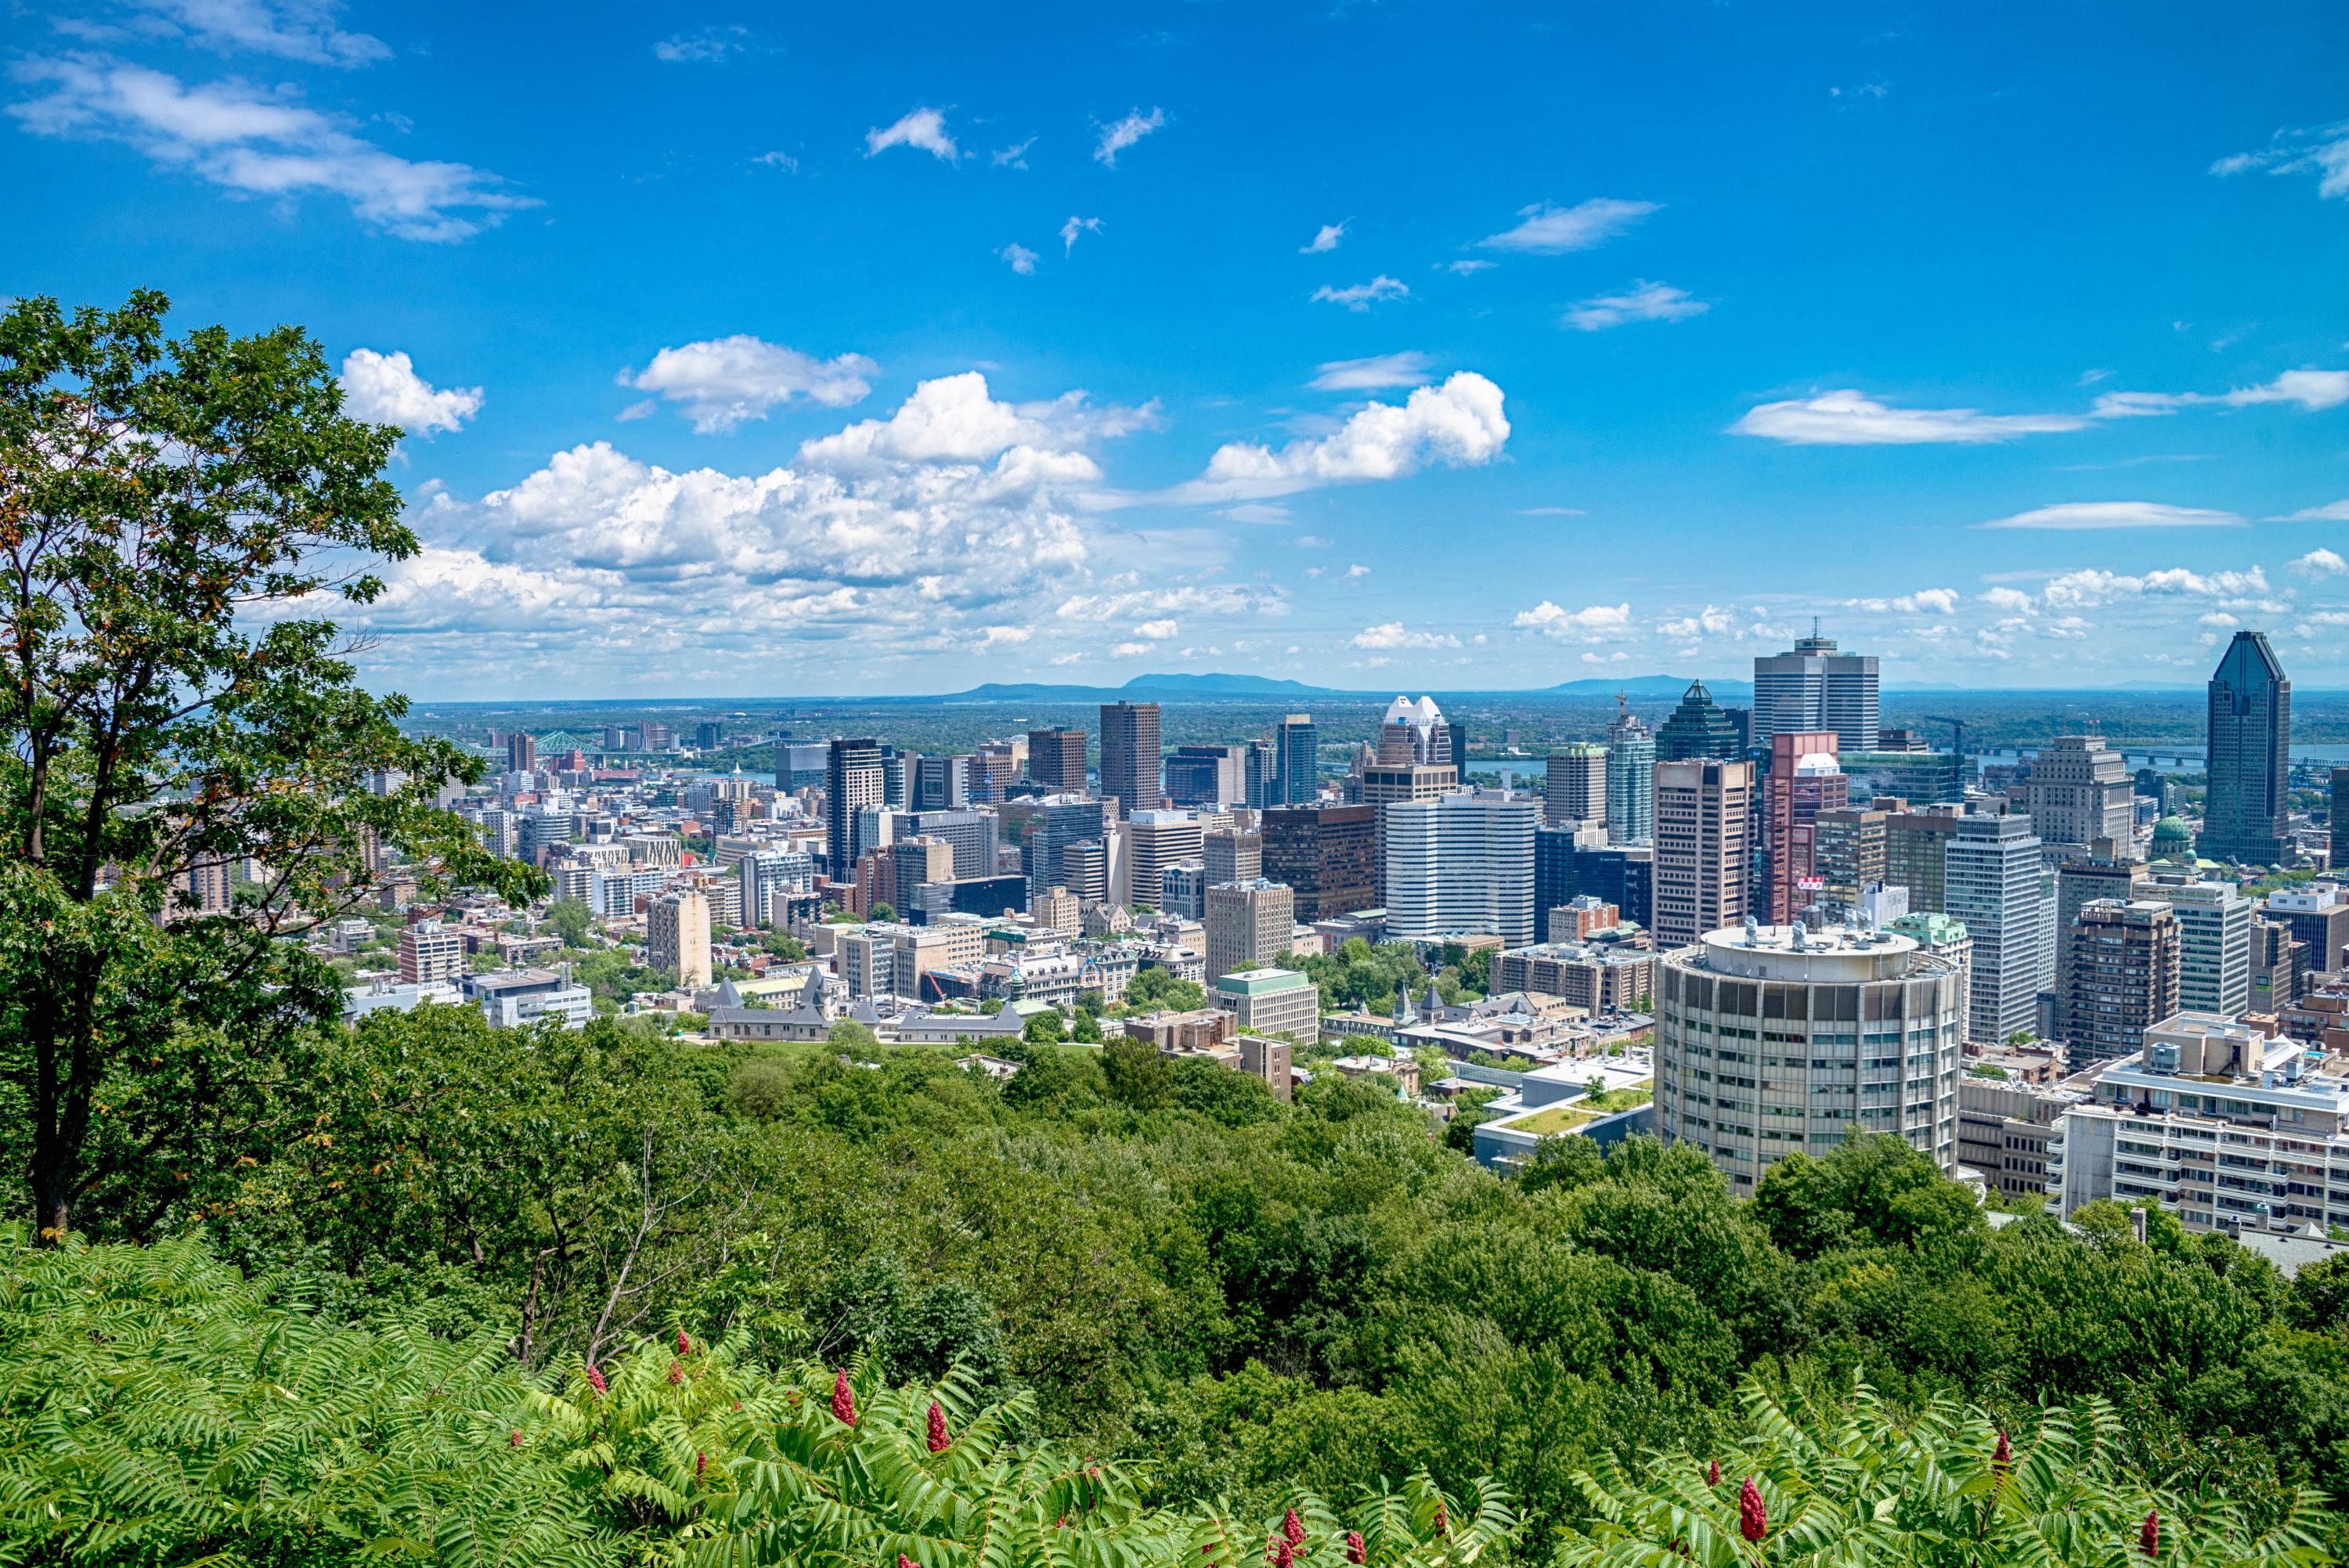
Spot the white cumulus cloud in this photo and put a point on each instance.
(1924, 601)
(1460, 423)
(384, 389)
(1591, 623)
(2321, 563)
(1018, 258)
(722, 381)
(1850, 419)
(1394, 635)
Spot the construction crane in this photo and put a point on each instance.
(1957, 753)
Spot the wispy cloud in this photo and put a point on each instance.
(1014, 156)
(1327, 240)
(1074, 227)
(2322, 150)
(1850, 419)
(1362, 296)
(2332, 511)
(1643, 300)
(1408, 368)
(712, 46)
(922, 127)
(1019, 258)
(300, 30)
(257, 144)
(1547, 231)
(1121, 134)
(2313, 390)
(2073, 516)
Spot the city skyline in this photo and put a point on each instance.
(1637, 342)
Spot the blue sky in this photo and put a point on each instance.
(893, 348)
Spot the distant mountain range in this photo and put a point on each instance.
(1262, 688)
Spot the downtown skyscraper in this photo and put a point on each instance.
(1815, 687)
(1129, 756)
(2251, 737)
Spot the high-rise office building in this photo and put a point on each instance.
(1576, 792)
(1260, 774)
(429, 951)
(2214, 942)
(1779, 1040)
(709, 735)
(1296, 761)
(2243, 815)
(1630, 780)
(1698, 728)
(1917, 854)
(1415, 732)
(1056, 759)
(1055, 823)
(1159, 840)
(2318, 914)
(1129, 756)
(677, 938)
(1387, 783)
(2121, 978)
(521, 751)
(853, 785)
(767, 874)
(944, 783)
(1461, 864)
(1208, 776)
(1817, 687)
(1848, 854)
(1996, 886)
(1247, 923)
(972, 832)
(1087, 868)
(1328, 854)
(1803, 780)
(2079, 791)
(1183, 890)
(1704, 852)
(2101, 872)
(1233, 855)
(2338, 817)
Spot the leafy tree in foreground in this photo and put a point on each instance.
(173, 706)
(1947, 1488)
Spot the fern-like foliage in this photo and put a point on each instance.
(1868, 1489)
(157, 1408)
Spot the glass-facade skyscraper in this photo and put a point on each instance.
(2250, 732)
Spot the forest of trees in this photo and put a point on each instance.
(279, 1290)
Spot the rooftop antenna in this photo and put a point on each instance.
(1815, 628)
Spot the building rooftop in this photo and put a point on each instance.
(1260, 982)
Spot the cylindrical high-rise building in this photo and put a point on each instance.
(1772, 1040)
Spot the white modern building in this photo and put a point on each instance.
(1775, 1039)
(1462, 865)
(2214, 949)
(2217, 1123)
